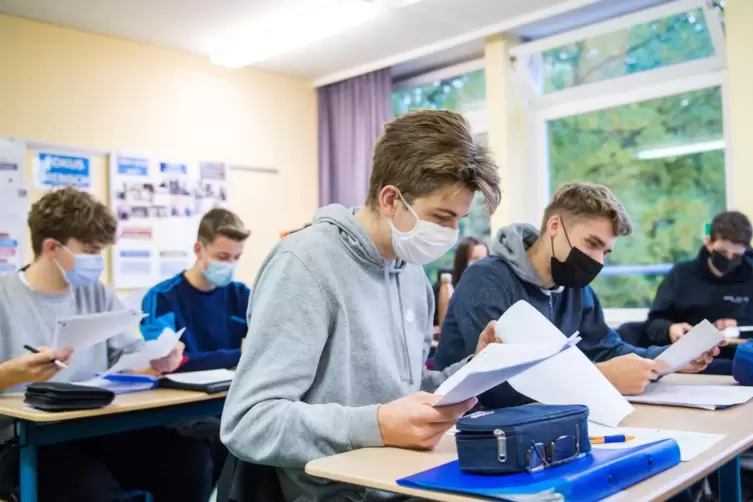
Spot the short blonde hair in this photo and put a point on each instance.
(583, 200)
(219, 221)
(425, 150)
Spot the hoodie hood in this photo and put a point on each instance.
(354, 237)
(511, 244)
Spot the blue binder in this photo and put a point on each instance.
(594, 477)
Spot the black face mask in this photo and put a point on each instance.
(578, 269)
(723, 264)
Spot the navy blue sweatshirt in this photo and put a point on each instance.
(491, 286)
(691, 293)
(215, 321)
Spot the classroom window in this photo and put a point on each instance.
(664, 159)
(638, 48)
(462, 94)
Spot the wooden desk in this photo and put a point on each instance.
(140, 410)
(379, 468)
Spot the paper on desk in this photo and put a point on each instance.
(202, 377)
(702, 338)
(734, 332)
(567, 378)
(708, 397)
(153, 349)
(691, 444)
(82, 331)
(496, 364)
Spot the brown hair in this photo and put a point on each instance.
(425, 150)
(580, 199)
(733, 226)
(222, 222)
(462, 253)
(67, 214)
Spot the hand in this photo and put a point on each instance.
(487, 337)
(678, 330)
(702, 362)
(170, 362)
(35, 367)
(722, 324)
(412, 421)
(631, 374)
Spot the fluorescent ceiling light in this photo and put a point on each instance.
(679, 150)
(286, 31)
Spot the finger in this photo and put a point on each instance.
(723, 343)
(489, 335)
(62, 354)
(431, 442)
(658, 366)
(451, 413)
(41, 359)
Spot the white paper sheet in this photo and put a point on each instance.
(735, 332)
(202, 377)
(702, 338)
(567, 378)
(496, 364)
(691, 444)
(707, 397)
(153, 349)
(82, 331)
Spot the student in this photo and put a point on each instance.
(204, 299)
(469, 251)
(340, 319)
(69, 232)
(717, 285)
(551, 271)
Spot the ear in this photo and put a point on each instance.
(49, 247)
(553, 225)
(709, 242)
(388, 201)
(197, 249)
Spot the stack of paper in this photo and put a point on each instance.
(702, 338)
(735, 332)
(568, 377)
(151, 350)
(691, 444)
(496, 364)
(707, 397)
(202, 377)
(83, 331)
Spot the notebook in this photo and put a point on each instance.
(594, 477)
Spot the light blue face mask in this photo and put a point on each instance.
(87, 269)
(219, 273)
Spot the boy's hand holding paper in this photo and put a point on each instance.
(159, 354)
(694, 351)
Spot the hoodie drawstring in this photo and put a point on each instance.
(401, 338)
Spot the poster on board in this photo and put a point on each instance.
(14, 195)
(52, 170)
(158, 205)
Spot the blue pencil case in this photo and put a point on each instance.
(523, 438)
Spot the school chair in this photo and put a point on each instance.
(246, 482)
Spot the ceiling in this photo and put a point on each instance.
(396, 36)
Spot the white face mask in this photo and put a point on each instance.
(424, 243)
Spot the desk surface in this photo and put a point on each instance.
(13, 405)
(379, 467)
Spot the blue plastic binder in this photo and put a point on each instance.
(594, 477)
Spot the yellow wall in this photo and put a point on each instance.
(67, 87)
(739, 28)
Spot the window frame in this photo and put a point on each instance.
(704, 73)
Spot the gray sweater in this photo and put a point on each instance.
(28, 317)
(333, 332)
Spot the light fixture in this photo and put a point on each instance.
(679, 150)
(288, 30)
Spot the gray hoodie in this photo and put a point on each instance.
(512, 243)
(333, 331)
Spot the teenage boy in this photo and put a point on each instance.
(69, 231)
(204, 299)
(551, 270)
(717, 285)
(340, 320)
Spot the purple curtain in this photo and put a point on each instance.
(352, 115)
